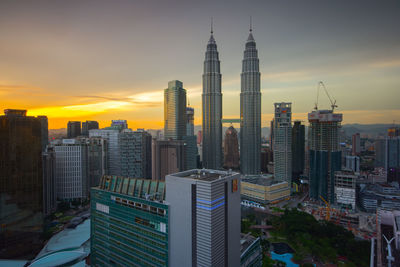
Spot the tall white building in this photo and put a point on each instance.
(72, 172)
(283, 142)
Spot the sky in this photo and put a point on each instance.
(104, 60)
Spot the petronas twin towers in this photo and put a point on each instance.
(250, 109)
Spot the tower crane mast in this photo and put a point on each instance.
(331, 99)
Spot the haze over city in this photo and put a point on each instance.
(102, 60)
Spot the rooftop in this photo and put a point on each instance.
(245, 241)
(204, 174)
(265, 180)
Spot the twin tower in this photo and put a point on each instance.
(250, 109)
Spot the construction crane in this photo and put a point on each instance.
(328, 208)
(332, 100)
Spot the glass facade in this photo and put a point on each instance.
(129, 223)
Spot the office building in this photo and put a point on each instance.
(356, 146)
(271, 134)
(266, 158)
(324, 153)
(49, 181)
(379, 195)
(191, 152)
(72, 169)
(212, 108)
(111, 135)
(204, 218)
(353, 163)
(119, 124)
(97, 159)
(89, 125)
(298, 150)
(129, 224)
(231, 149)
(345, 189)
(45, 131)
(135, 149)
(250, 110)
(392, 158)
(264, 189)
(21, 183)
(168, 156)
(283, 142)
(174, 111)
(189, 121)
(250, 251)
(380, 152)
(73, 129)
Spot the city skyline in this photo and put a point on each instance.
(97, 60)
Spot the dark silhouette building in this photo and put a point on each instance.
(298, 153)
(73, 129)
(231, 149)
(89, 125)
(45, 131)
(21, 184)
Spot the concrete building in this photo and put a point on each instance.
(174, 111)
(49, 181)
(129, 224)
(380, 152)
(191, 151)
(266, 158)
(204, 214)
(250, 251)
(356, 146)
(250, 110)
(45, 131)
(73, 129)
(168, 156)
(89, 125)
(324, 153)
(392, 158)
(353, 163)
(72, 169)
(345, 188)
(298, 150)
(264, 189)
(283, 142)
(231, 149)
(111, 135)
(379, 195)
(21, 183)
(135, 153)
(97, 159)
(119, 124)
(212, 108)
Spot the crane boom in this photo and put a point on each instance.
(332, 100)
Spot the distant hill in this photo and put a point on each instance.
(373, 129)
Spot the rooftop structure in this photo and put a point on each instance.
(264, 189)
(250, 251)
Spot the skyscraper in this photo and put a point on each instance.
(204, 214)
(298, 149)
(21, 183)
(89, 125)
(283, 142)
(189, 121)
(190, 140)
(250, 110)
(212, 108)
(49, 181)
(392, 159)
(45, 131)
(231, 149)
(73, 129)
(174, 111)
(355, 149)
(324, 152)
(168, 156)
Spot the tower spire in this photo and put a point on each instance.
(251, 25)
(212, 30)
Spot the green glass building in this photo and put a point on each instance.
(129, 223)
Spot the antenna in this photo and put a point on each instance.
(251, 25)
(212, 30)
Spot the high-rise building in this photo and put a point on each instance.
(45, 131)
(204, 218)
(392, 159)
(191, 152)
(298, 149)
(356, 148)
(119, 124)
(21, 183)
(72, 169)
(189, 121)
(97, 159)
(49, 181)
(283, 142)
(74, 129)
(168, 156)
(271, 134)
(89, 125)
(266, 158)
(174, 111)
(129, 225)
(135, 149)
(212, 108)
(231, 149)
(324, 152)
(353, 163)
(380, 152)
(111, 135)
(250, 110)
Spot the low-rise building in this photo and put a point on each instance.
(382, 195)
(345, 188)
(264, 189)
(250, 251)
